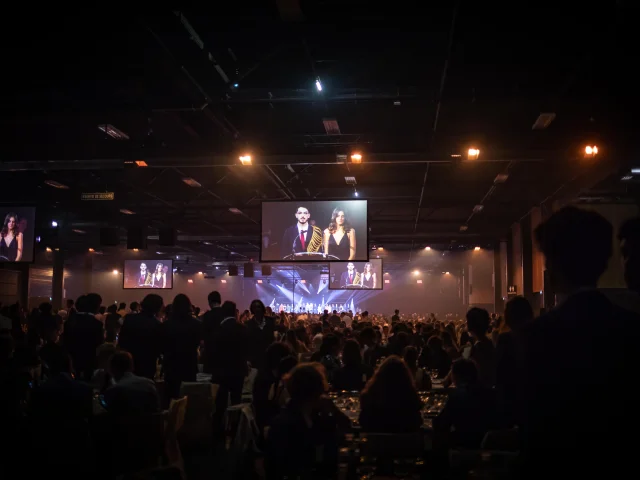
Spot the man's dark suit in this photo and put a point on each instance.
(344, 278)
(576, 357)
(141, 336)
(83, 334)
(210, 328)
(291, 240)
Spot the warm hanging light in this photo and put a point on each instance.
(245, 159)
(356, 158)
(473, 154)
(590, 150)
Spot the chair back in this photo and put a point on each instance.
(175, 421)
(129, 443)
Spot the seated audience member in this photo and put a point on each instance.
(302, 440)
(328, 355)
(470, 411)
(421, 378)
(131, 395)
(437, 359)
(353, 376)
(265, 380)
(102, 379)
(390, 403)
(279, 396)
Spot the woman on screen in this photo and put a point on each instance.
(11, 239)
(340, 238)
(159, 279)
(368, 278)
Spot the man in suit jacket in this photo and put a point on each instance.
(229, 353)
(297, 237)
(131, 395)
(349, 276)
(141, 335)
(83, 334)
(574, 355)
(211, 325)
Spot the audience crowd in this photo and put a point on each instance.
(550, 379)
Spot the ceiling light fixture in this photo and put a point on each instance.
(477, 249)
(464, 228)
(245, 159)
(235, 210)
(78, 231)
(590, 151)
(115, 272)
(54, 184)
(350, 180)
(473, 154)
(356, 158)
(127, 212)
(141, 163)
(318, 85)
(113, 132)
(427, 248)
(191, 182)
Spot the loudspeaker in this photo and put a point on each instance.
(266, 270)
(248, 270)
(109, 237)
(233, 270)
(167, 237)
(137, 238)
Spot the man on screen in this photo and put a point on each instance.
(350, 276)
(301, 237)
(143, 278)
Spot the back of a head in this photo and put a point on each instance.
(112, 309)
(410, 356)
(434, 343)
(122, 306)
(287, 364)
(152, 304)
(81, 303)
(351, 355)
(58, 361)
(577, 245)
(517, 312)
(45, 308)
(478, 321)
(134, 306)
(228, 309)
(391, 384)
(464, 372)
(330, 343)
(257, 307)
(276, 352)
(93, 302)
(306, 383)
(181, 306)
(120, 363)
(214, 298)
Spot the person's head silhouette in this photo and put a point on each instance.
(577, 245)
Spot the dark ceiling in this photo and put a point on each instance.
(411, 91)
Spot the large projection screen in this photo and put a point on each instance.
(356, 275)
(148, 274)
(17, 233)
(315, 231)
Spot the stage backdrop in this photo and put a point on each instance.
(282, 223)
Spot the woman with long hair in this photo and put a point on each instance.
(11, 239)
(390, 403)
(159, 279)
(335, 242)
(354, 374)
(368, 279)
